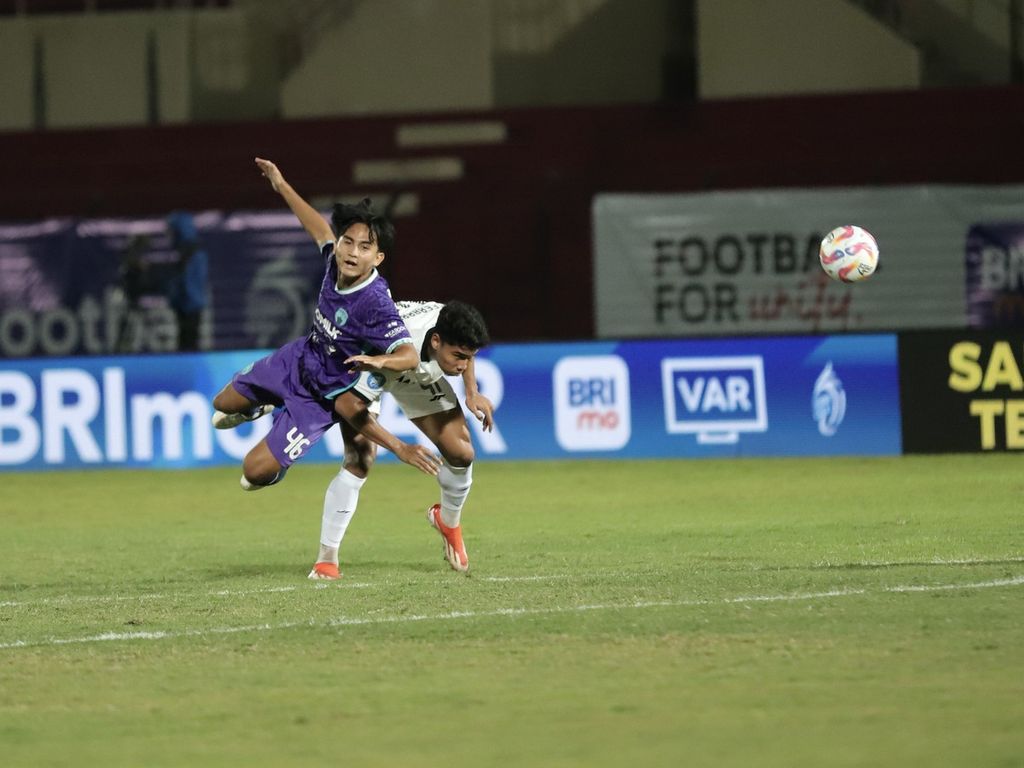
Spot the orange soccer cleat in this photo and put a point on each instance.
(325, 572)
(454, 549)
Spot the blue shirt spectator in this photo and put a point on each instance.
(186, 290)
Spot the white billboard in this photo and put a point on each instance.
(721, 263)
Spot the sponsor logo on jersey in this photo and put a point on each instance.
(325, 324)
(411, 309)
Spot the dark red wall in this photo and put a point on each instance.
(514, 236)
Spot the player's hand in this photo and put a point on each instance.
(365, 363)
(419, 457)
(483, 409)
(271, 172)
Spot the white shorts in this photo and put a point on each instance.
(414, 399)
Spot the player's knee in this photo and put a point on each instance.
(258, 472)
(460, 455)
(225, 401)
(253, 480)
(249, 485)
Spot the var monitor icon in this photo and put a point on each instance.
(714, 398)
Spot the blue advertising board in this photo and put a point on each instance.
(789, 396)
(786, 396)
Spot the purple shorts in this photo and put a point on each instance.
(303, 418)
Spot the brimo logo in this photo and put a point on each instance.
(75, 416)
(592, 411)
(155, 411)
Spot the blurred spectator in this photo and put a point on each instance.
(186, 289)
(136, 281)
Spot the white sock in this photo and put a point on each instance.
(455, 482)
(340, 503)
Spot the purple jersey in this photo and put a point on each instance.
(359, 320)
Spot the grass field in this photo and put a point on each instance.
(826, 612)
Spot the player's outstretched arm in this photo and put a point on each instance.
(310, 218)
(352, 408)
(404, 358)
(479, 406)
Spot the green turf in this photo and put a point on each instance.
(826, 612)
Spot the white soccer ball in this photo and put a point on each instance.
(848, 254)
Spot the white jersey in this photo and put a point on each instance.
(420, 318)
(422, 391)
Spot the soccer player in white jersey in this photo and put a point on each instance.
(448, 337)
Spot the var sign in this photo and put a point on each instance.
(715, 398)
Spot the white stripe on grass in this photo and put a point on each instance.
(342, 584)
(909, 563)
(68, 599)
(345, 621)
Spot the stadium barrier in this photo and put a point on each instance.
(962, 391)
(775, 396)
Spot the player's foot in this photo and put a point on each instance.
(454, 549)
(223, 420)
(325, 572)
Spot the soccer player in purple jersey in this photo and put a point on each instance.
(356, 327)
(448, 337)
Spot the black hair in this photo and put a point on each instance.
(462, 325)
(382, 231)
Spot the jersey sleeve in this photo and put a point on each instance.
(390, 332)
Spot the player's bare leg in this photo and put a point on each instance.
(260, 468)
(341, 500)
(449, 432)
(231, 408)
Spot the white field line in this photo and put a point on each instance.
(345, 621)
(933, 561)
(553, 576)
(69, 599)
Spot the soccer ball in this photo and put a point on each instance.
(848, 254)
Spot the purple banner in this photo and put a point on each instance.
(994, 275)
(100, 286)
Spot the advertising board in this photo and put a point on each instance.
(746, 262)
(962, 391)
(793, 396)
